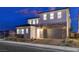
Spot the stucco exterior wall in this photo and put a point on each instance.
(55, 20)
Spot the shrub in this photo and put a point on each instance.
(69, 43)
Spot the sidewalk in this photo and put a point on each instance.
(64, 48)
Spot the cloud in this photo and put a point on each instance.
(23, 11)
(52, 8)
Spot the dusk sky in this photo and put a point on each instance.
(10, 17)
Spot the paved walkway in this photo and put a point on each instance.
(64, 48)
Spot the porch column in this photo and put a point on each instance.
(67, 23)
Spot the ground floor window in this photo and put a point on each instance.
(27, 30)
(20, 31)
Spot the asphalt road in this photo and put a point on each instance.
(11, 47)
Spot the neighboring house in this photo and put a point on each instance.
(4, 34)
(12, 33)
(75, 34)
(49, 25)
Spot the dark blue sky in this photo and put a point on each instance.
(10, 17)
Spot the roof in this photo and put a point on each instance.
(60, 8)
(24, 25)
(55, 10)
(33, 17)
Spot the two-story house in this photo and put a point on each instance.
(50, 25)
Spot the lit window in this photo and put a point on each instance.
(38, 33)
(22, 31)
(37, 20)
(51, 15)
(59, 15)
(30, 21)
(33, 21)
(45, 16)
(26, 30)
(18, 31)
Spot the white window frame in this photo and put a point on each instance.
(18, 31)
(22, 31)
(27, 30)
(44, 16)
(59, 15)
(34, 22)
(52, 15)
(30, 21)
(37, 21)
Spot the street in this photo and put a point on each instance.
(27, 47)
(7, 47)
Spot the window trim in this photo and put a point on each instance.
(44, 16)
(27, 30)
(30, 21)
(37, 21)
(22, 31)
(52, 15)
(33, 21)
(18, 31)
(59, 14)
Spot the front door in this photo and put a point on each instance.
(45, 33)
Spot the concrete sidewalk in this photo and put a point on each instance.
(63, 48)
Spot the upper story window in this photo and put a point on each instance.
(33, 21)
(45, 16)
(30, 21)
(59, 15)
(51, 15)
(37, 21)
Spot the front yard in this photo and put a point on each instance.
(58, 42)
